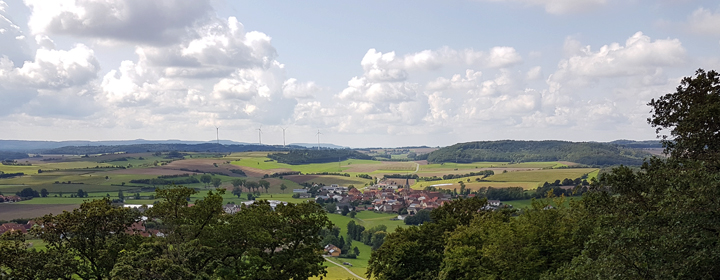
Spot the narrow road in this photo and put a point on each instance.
(417, 168)
(348, 270)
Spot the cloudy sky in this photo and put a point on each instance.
(364, 73)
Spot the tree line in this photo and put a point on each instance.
(5, 155)
(296, 157)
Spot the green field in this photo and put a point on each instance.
(266, 163)
(368, 219)
(541, 176)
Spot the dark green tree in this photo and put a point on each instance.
(264, 184)
(94, 235)
(206, 179)
(216, 182)
(692, 116)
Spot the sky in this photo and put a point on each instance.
(363, 73)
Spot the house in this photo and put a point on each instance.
(494, 203)
(304, 195)
(12, 227)
(332, 250)
(231, 208)
(300, 190)
(10, 198)
(341, 205)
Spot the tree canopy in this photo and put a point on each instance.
(200, 241)
(524, 151)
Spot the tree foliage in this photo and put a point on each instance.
(525, 151)
(198, 241)
(692, 116)
(317, 156)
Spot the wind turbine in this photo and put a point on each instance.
(318, 135)
(283, 128)
(217, 134)
(260, 134)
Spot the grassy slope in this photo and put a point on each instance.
(367, 219)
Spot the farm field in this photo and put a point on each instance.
(63, 176)
(473, 185)
(541, 176)
(9, 211)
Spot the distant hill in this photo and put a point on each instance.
(322, 145)
(142, 148)
(32, 146)
(648, 144)
(588, 153)
(12, 155)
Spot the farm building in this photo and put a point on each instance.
(332, 250)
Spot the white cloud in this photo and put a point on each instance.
(534, 73)
(225, 75)
(640, 55)
(561, 6)
(704, 22)
(52, 69)
(16, 50)
(151, 22)
(223, 46)
(389, 67)
(294, 89)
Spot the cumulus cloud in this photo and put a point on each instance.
(150, 22)
(14, 49)
(53, 69)
(223, 46)
(224, 75)
(292, 88)
(639, 55)
(704, 22)
(389, 67)
(561, 6)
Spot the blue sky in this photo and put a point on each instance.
(364, 73)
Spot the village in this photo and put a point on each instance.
(386, 196)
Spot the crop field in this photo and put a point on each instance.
(327, 179)
(541, 176)
(9, 211)
(473, 185)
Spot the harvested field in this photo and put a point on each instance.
(9, 211)
(203, 165)
(148, 171)
(327, 179)
(401, 182)
(383, 165)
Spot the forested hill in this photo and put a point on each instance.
(317, 156)
(142, 148)
(11, 155)
(524, 151)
